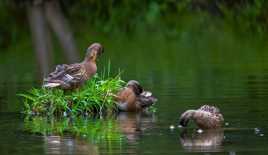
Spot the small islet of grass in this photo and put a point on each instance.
(94, 98)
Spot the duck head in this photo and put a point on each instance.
(135, 86)
(94, 51)
(186, 117)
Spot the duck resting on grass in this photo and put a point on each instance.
(132, 98)
(206, 117)
(73, 76)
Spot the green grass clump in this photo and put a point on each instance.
(94, 98)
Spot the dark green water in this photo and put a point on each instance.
(193, 69)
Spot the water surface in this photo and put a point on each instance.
(183, 73)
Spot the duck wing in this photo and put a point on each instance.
(208, 117)
(211, 109)
(65, 76)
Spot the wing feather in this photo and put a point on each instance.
(211, 109)
(66, 76)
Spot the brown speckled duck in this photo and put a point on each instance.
(206, 117)
(73, 76)
(133, 98)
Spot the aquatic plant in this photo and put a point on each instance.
(95, 97)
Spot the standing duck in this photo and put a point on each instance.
(133, 98)
(206, 117)
(73, 76)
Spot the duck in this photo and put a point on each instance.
(206, 117)
(72, 76)
(132, 98)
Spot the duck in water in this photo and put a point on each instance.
(206, 117)
(73, 76)
(133, 98)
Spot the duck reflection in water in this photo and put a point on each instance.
(68, 145)
(133, 125)
(207, 141)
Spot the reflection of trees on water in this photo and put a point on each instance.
(207, 141)
(68, 145)
(132, 125)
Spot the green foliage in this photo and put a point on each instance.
(122, 16)
(132, 15)
(95, 97)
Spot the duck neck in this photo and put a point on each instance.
(133, 89)
(89, 59)
(90, 66)
(186, 117)
(190, 114)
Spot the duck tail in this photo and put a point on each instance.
(51, 85)
(186, 117)
(146, 99)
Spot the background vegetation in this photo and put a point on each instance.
(88, 19)
(192, 42)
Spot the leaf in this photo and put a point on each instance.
(29, 97)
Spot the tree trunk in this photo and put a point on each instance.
(61, 28)
(40, 35)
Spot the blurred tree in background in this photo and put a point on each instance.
(129, 15)
(19, 18)
(44, 16)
